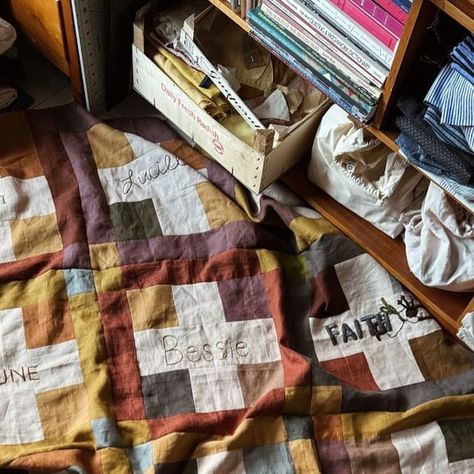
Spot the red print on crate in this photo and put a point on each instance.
(218, 146)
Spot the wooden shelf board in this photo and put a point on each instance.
(447, 307)
(224, 7)
(387, 137)
(460, 10)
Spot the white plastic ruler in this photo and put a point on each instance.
(90, 18)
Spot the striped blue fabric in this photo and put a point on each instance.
(450, 134)
(450, 100)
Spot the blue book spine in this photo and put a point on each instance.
(311, 76)
(405, 5)
(329, 76)
(307, 56)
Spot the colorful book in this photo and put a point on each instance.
(362, 17)
(313, 77)
(381, 16)
(390, 7)
(326, 51)
(358, 93)
(355, 32)
(314, 24)
(367, 22)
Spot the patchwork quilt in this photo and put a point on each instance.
(156, 317)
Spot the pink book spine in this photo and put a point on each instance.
(381, 16)
(367, 22)
(390, 7)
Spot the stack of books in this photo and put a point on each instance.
(345, 48)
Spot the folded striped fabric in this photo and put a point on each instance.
(450, 100)
(458, 165)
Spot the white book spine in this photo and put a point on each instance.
(353, 30)
(320, 46)
(312, 22)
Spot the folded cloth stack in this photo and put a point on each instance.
(191, 81)
(450, 100)
(363, 174)
(433, 154)
(439, 241)
(7, 35)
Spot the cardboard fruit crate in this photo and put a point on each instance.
(255, 166)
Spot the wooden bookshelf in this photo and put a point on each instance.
(224, 7)
(461, 11)
(447, 307)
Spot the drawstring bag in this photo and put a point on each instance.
(439, 241)
(363, 174)
(7, 35)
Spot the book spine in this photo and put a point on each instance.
(313, 23)
(394, 10)
(309, 61)
(358, 34)
(404, 5)
(323, 47)
(311, 77)
(308, 55)
(362, 18)
(381, 16)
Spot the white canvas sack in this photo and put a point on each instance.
(7, 35)
(363, 174)
(439, 242)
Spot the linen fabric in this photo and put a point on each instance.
(413, 152)
(457, 165)
(439, 241)
(157, 317)
(7, 96)
(450, 100)
(363, 175)
(7, 35)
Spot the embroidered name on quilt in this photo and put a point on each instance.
(373, 325)
(18, 375)
(163, 165)
(176, 351)
(2, 199)
(376, 325)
